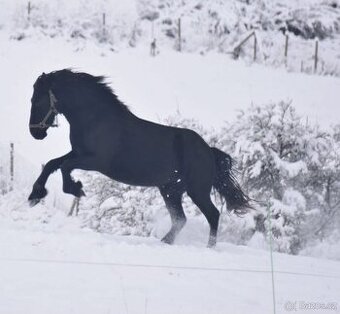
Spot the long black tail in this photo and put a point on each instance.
(226, 184)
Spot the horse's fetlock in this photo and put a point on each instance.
(74, 188)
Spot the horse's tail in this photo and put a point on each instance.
(226, 184)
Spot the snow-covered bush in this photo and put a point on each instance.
(322, 185)
(117, 208)
(285, 164)
(290, 168)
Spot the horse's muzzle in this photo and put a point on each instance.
(38, 134)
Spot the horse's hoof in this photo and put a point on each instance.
(79, 193)
(168, 239)
(37, 193)
(211, 243)
(74, 188)
(78, 189)
(34, 202)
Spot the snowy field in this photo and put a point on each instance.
(50, 263)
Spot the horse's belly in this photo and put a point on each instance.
(141, 174)
(141, 161)
(138, 180)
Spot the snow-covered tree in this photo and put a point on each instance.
(275, 149)
(322, 185)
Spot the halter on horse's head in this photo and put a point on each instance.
(43, 110)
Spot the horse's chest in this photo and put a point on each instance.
(91, 140)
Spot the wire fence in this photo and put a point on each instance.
(163, 266)
(145, 266)
(294, 52)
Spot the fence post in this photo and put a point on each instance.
(316, 55)
(11, 169)
(255, 46)
(2, 182)
(286, 49)
(179, 35)
(271, 253)
(104, 23)
(237, 49)
(29, 10)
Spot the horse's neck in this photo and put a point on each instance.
(87, 115)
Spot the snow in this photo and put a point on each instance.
(328, 248)
(291, 168)
(108, 203)
(294, 198)
(53, 265)
(50, 263)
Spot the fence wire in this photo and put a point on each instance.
(159, 266)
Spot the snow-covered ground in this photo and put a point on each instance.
(50, 264)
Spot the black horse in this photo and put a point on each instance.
(108, 138)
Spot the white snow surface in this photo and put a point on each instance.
(49, 263)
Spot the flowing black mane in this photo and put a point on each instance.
(97, 85)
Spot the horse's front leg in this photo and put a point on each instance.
(71, 187)
(39, 191)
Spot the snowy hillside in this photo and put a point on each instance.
(205, 26)
(280, 125)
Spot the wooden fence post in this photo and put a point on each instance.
(286, 49)
(11, 169)
(316, 56)
(2, 182)
(29, 8)
(255, 46)
(104, 24)
(179, 35)
(237, 49)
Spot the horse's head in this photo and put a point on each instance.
(43, 110)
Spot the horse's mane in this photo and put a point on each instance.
(97, 83)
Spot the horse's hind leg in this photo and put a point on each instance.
(173, 202)
(204, 203)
